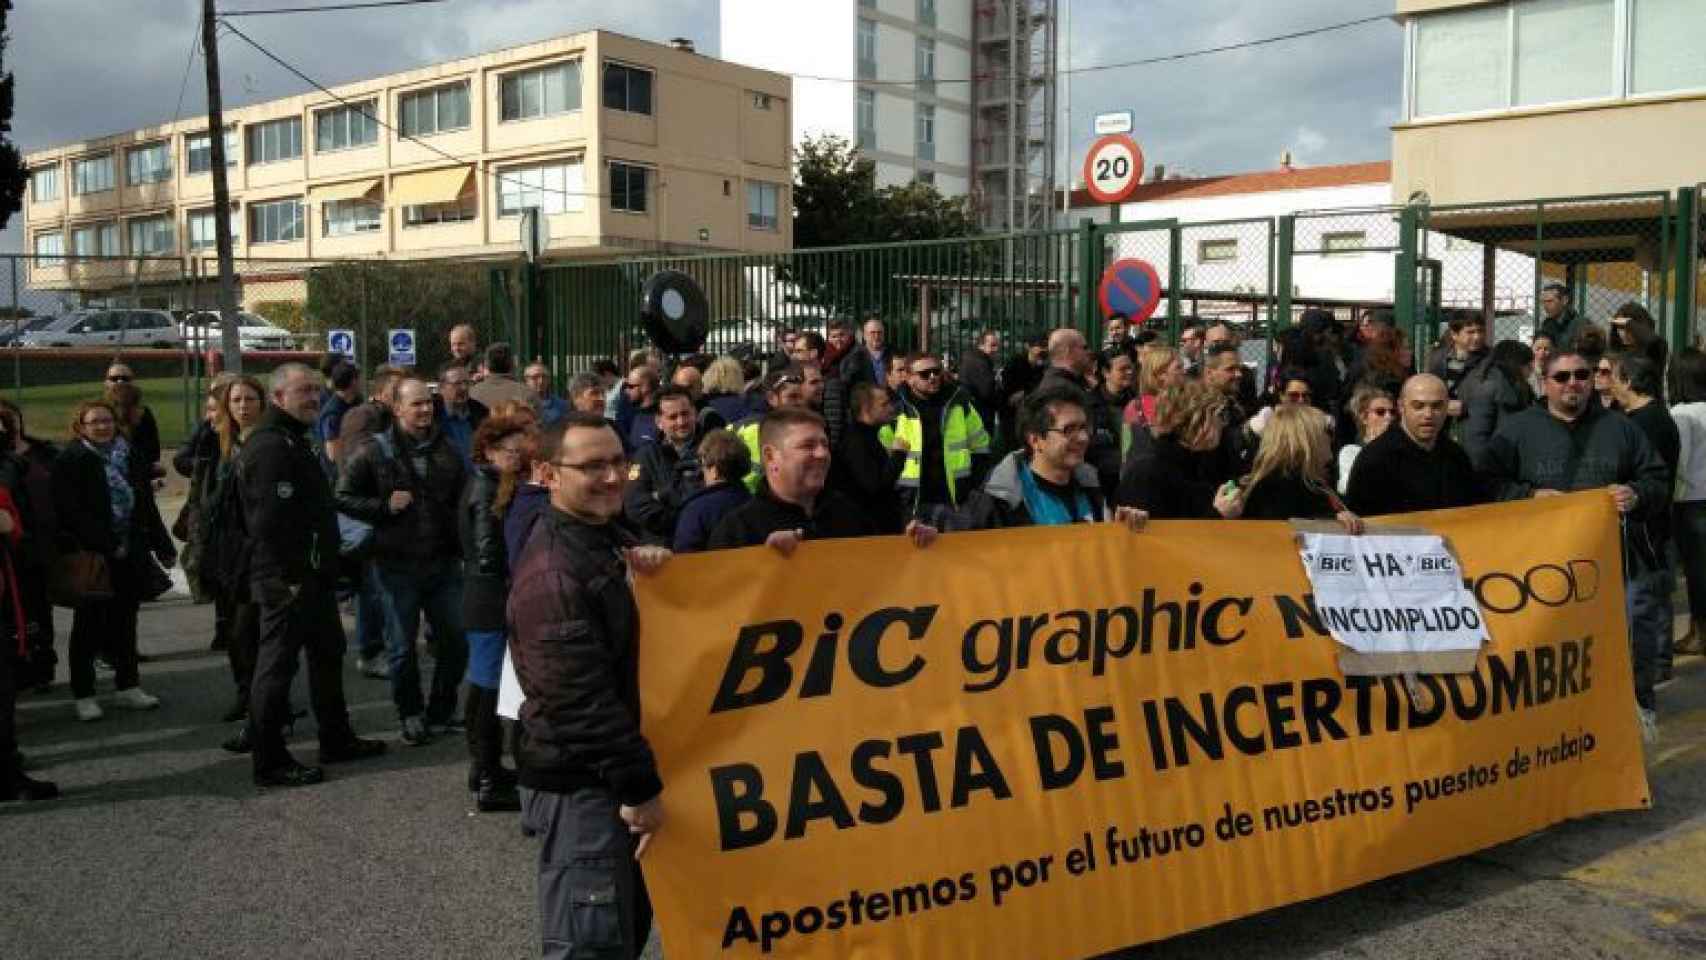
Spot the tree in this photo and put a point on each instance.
(837, 202)
(13, 175)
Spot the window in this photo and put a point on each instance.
(149, 164)
(198, 147)
(44, 184)
(868, 119)
(203, 230)
(341, 218)
(926, 64)
(277, 221)
(542, 92)
(761, 101)
(927, 12)
(426, 112)
(926, 132)
(92, 174)
(50, 247)
(426, 214)
(1342, 243)
(275, 140)
(762, 200)
(1217, 251)
(152, 236)
(628, 188)
(96, 240)
(1563, 51)
(1668, 37)
(552, 187)
(926, 177)
(1462, 60)
(344, 128)
(867, 49)
(627, 88)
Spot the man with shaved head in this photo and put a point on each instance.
(1070, 364)
(1417, 466)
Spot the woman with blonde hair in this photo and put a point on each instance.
(1289, 477)
(240, 402)
(725, 390)
(1373, 409)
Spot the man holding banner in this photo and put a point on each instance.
(590, 785)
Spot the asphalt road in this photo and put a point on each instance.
(162, 848)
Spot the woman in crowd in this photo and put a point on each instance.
(503, 459)
(1289, 479)
(1633, 330)
(725, 462)
(239, 402)
(1385, 362)
(1688, 390)
(26, 469)
(1542, 346)
(197, 460)
(15, 785)
(1500, 389)
(1373, 410)
(725, 390)
(135, 421)
(1179, 475)
(104, 503)
(1603, 383)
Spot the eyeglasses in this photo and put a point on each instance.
(1602, 372)
(784, 381)
(1071, 430)
(632, 386)
(1381, 411)
(118, 378)
(930, 374)
(596, 468)
(1580, 375)
(1298, 395)
(99, 422)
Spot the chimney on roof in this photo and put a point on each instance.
(1285, 160)
(682, 43)
(1158, 174)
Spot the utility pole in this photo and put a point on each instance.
(230, 342)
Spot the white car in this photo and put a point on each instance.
(201, 331)
(115, 327)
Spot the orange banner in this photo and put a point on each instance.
(1057, 742)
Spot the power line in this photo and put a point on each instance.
(189, 61)
(362, 109)
(1124, 64)
(368, 5)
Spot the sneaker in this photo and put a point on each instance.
(289, 774)
(415, 731)
(22, 789)
(88, 709)
(445, 727)
(136, 698)
(372, 668)
(1649, 721)
(240, 743)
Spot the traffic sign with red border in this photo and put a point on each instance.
(1113, 168)
(1131, 287)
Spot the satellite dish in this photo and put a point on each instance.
(675, 312)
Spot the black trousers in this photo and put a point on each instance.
(104, 626)
(9, 664)
(592, 898)
(238, 621)
(296, 620)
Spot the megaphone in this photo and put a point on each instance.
(674, 311)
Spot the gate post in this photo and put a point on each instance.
(1405, 314)
(1286, 246)
(1687, 276)
(1089, 271)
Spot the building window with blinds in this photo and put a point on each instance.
(278, 221)
(346, 128)
(438, 110)
(152, 237)
(148, 164)
(762, 202)
(92, 174)
(342, 218)
(44, 184)
(275, 141)
(552, 187)
(198, 149)
(542, 92)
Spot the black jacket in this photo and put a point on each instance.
(1105, 424)
(287, 505)
(1534, 450)
(660, 481)
(865, 472)
(575, 648)
(485, 572)
(834, 517)
(977, 376)
(1488, 398)
(1000, 502)
(1393, 474)
(144, 441)
(30, 479)
(1285, 497)
(1172, 483)
(84, 511)
(424, 535)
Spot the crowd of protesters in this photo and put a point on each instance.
(509, 516)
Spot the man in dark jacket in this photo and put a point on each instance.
(1048, 483)
(1417, 466)
(666, 470)
(407, 483)
(865, 469)
(590, 784)
(289, 515)
(724, 463)
(868, 362)
(979, 377)
(458, 414)
(1070, 362)
(1571, 444)
(1460, 356)
(1636, 384)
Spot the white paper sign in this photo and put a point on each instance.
(1392, 594)
(510, 697)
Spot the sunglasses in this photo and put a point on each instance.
(1381, 411)
(1298, 395)
(1581, 375)
(929, 374)
(118, 378)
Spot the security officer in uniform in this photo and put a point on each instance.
(666, 471)
(782, 388)
(947, 447)
(292, 526)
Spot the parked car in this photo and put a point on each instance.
(9, 335)
(201, 330)
(115, 327)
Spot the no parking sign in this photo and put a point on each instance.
(1131, 287)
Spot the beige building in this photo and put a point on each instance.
(1532, 99)
(624, 145)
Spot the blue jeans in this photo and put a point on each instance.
(405, 597)
(1649, 606)
(369, 616)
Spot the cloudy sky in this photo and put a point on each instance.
(92, 67)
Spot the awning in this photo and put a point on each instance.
(354, 190)
(429, 186)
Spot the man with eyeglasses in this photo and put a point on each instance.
(947, 447)
(459, 414)
(1191, 348)
(589, 781)
(666, 472)
(1048, 482)
(1417, 466)
(1573, 444)
(550, 408)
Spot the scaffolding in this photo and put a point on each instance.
(1013, 112)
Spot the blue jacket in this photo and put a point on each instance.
(702, 511)
(530, 503)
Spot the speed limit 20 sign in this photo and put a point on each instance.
(1113, 168)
